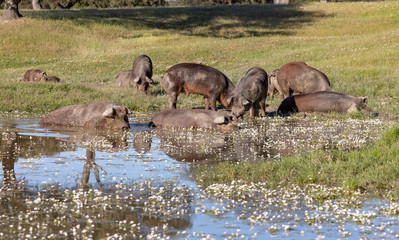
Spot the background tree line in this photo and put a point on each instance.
(66, 4)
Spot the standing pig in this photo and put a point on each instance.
(252, 91)
(196, 118)
(299, 77)
(272, 83)
(99, 115)
(140, 76)
(198, 79)
(34, 75)
(324, 101)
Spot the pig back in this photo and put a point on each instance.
(142, 66)
(196, 118)
(302, 78)
(198, 79)
(34, 75)
(253, 86)
(77, 115)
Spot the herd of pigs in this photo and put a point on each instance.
(312, 86)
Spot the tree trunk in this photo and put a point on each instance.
(11, 10)
(281, 1)
(36, 5)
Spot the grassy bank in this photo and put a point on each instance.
(374, 169)
(355, 44)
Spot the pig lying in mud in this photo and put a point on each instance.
(298, 77)
(99, 115)
(196, 118)
(34, 75)
(140, 76)
(252, 89)
(324, 101)
(198, 79)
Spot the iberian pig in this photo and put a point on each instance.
(252, 91)
(272, 83)
(99, 115)
(198, 79)
(53, 79)
(34, 75)
(195, 118)
(140, 76)
(324, 101)
(300, 78)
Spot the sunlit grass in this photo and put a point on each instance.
(373, 169)
(355, 44)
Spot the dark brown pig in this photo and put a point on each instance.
(300, 78)
(34, 75)
(140, 76)
(195, 118)
(252, 92)
(198, 79)
(324, 101)
(99, 115)
(53, 79)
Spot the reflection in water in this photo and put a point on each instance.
(188, 145)
(142, 142)
(88, 166)
(146, 193)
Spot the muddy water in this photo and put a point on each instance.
(69, 183)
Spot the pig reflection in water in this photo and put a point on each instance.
(14, 146)
(14, 200)
(190, 145)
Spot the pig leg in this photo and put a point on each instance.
(263, 107)
(212, 101)
(206, 100)
(252, 111)
(172, 100)
(282, 93)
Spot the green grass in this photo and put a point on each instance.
(355, 44)
(374, 169)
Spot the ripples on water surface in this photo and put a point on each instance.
(72, 184)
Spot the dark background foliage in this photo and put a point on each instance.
(59, 4)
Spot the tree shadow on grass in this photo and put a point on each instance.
(214, 21)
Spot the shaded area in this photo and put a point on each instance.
(215, 21)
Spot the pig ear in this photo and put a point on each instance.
(127, 110)
(149, 80)
(229, 100)
(220, 120)
(109, 113)
(364, 99)
(244, 102)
